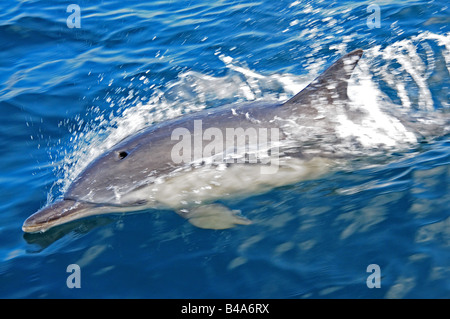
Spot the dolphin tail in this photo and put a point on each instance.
(331, 84)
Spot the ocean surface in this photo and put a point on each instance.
(71, 88)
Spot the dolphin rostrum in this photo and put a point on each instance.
(189, 163)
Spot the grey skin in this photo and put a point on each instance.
(139, 173)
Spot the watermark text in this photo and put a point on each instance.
(227, 145)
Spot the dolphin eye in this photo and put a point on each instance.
(122, 154)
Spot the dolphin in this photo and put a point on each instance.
(161, 167)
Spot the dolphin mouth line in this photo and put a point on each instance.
(68, 209)
(58, 213)
(28, 228)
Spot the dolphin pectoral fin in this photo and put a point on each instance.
(214, 216)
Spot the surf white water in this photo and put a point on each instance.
(402, 69)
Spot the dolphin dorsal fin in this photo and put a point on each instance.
(331, 84)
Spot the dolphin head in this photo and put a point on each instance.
(122, 169)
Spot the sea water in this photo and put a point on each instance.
(76, 80)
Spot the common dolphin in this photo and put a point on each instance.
(154, 169)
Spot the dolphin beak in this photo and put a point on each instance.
(55, 214)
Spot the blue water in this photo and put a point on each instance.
(67, 94)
